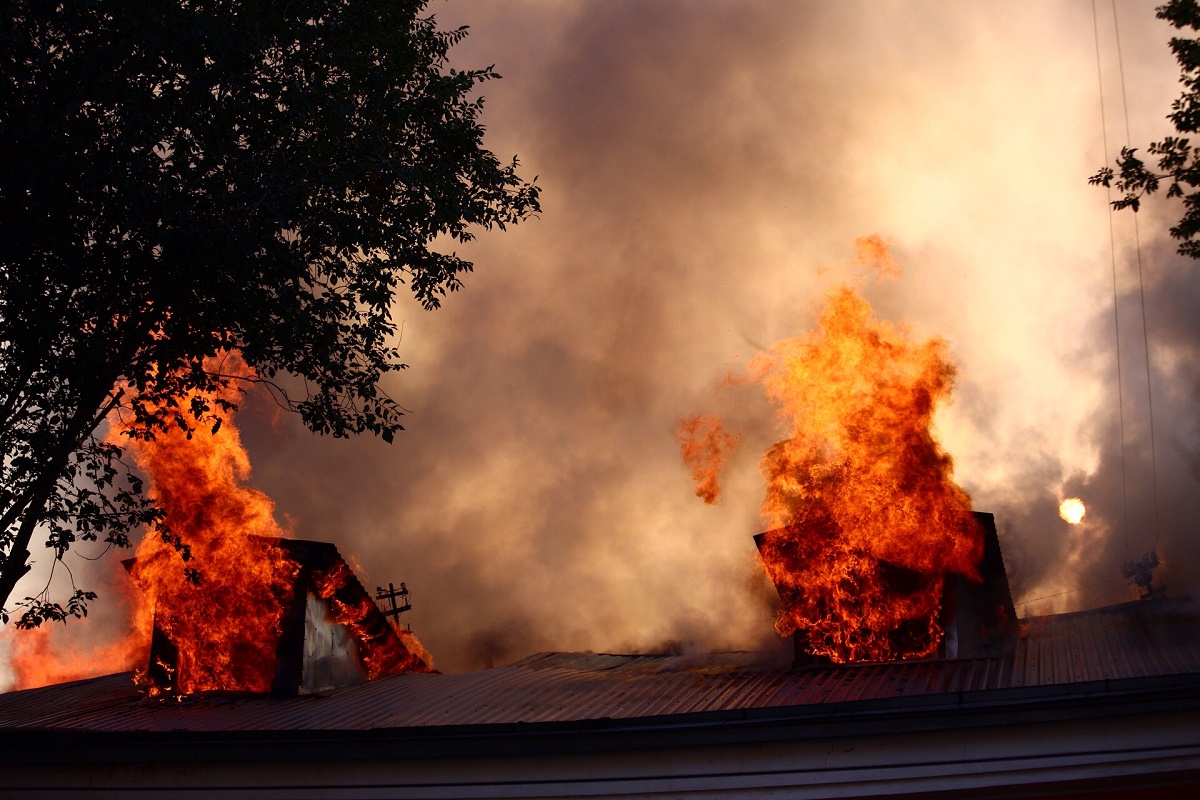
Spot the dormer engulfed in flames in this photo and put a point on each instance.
(977, 619)
(329, 633)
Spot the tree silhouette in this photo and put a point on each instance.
(187, 177)
(1178, 159)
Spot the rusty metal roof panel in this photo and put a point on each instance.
(1129, 641)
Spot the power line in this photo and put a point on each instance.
(1069, 591)
(1141, 285)
(1177, 569)
(1112, 250)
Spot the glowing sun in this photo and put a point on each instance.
(1072, 510)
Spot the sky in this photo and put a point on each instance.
(705, 168)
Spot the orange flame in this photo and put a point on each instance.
(706, 446)
(226, 628)
(869, 522)
(873, 252)
(865, 522)
(381, 653)
(37, 658)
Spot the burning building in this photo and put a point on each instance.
(1093, 704)
(911, 676)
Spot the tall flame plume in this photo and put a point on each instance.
(224, 619)
(864, 520)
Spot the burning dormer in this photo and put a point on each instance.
(316, 628)
(968, 619)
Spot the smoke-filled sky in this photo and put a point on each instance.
(705, 168)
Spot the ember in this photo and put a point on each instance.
(706, 447)
(865, 522)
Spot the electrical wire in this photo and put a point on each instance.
(1141, 285)
(1112, 249)
(1104, 584)
(1177, 569)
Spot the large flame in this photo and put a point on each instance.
(225, 625)
(865, 522)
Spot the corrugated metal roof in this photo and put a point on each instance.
(1136, 640)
